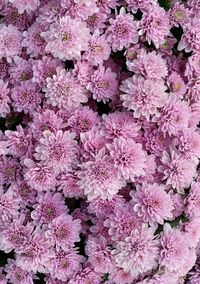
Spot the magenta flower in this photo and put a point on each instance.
(68, 184)
(122, 31)
(152, 203)
(67, 38)
(137, 253)
(58, 150)
(64, 231)
(128, 157)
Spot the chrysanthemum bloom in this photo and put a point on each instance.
(143, 5)
(83, 70)
(99, 254)
(122, 31)
(104, 208)
(151, 65)
(80, 10)
(137, 253)
(128, 157)
(97, 21)
(167, 46)
(122, 222)
(19, 142)
(192, 202)
(10, 41)
(99, 177)
(33, 40)
(63, 231)
(179, 15)
(174, 117)
(39, 177)
(4, 99)
(103, 84)
(65, 264)
(64, 90)
(98, 49)
(193, 67)
(26, 193)
(83, 120)
(58, 150)
(13, 17)
(144, 96)
(51, 279)
(178, 171)
(67, 38)
(21, 70)
(84, 276)
(190, 40)
(9, 206)
(17, 275)
(152, 203)
(119, 124)
(174, 249)
(16, 236)
(188, 143)
(164, 278)
(178, 201)
(176, 85)
(26, 97)
(155, 25)
(189, 263)
(122, 277)
(48, 207)
(45, 120)
(191, 231)
(194, 5)
(68, 185)
(35, 255)
(105, 6)
(25, 5)
(92, 142)
(10, 170)
(44, 68)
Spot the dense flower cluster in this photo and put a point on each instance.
(99, 141)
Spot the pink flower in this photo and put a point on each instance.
(137, 253)
(176, 85)
(63, 231)
(26, 97)
(64, 90)
(17, 275)
(191, 33)
(39, 177)
(174, 116)
(177, 171)
(33, 40)
(48, 207)
(4, 99)
(25, 5)
(83, 120)
(99, 178)
(25, 193)
(65, 264)
(80, 9)
(192, 202)
(103, 84)
(174, 249)
(21, 70)
(13, 17)
(16, 236)
(193, 67)
(58, 150)
(67, 38)
(99, 254)
(68, 184)
(45, 120)
(10, 170)
(144, 96)
(152, 203)
(97, 21)
(191, 231)
(143, 5)
(122, 277)
(151, 65)
(84, 276)
(98, 50)
(119, 124)
(155, 25)
(122, 31)
(44, 68)
(179, 15)
(128, 157)
(19, 142)
(10, 41)
(122, 222)
(36, 254)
